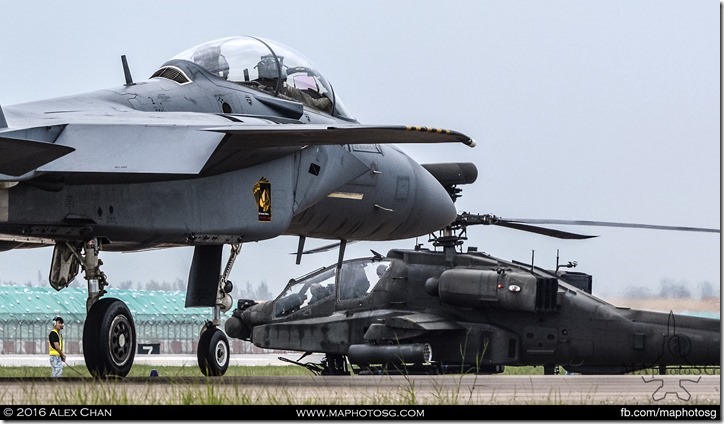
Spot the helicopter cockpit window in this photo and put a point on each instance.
(358, 278)
(269, 67)
(305, 292)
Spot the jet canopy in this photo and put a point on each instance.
(269, 67)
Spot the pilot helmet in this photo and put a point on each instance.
(268, 67)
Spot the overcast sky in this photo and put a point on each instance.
(606, 110)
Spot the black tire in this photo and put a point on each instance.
(109, 339)
(213, 352)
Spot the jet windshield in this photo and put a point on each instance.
(269, 67)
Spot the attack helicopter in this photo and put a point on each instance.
(445, 310)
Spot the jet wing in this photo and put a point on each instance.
(306, 134)
(240, 142)
(157, 150)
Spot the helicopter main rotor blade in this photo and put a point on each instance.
(609, 224)
(465, 219)
(542, 230)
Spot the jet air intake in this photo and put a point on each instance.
(493, 289)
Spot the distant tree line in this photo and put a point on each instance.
(246, 291)
(669, 289)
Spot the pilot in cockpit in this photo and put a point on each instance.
(382, 269)
(211, 59)
(320, 292)
(302, 86)
(354, 282)
(298, 83)
(269, 69)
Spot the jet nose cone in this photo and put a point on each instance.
(433, 209)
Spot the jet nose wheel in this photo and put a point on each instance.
(109, 339)
(213, 352)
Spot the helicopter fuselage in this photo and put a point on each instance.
(477, 312)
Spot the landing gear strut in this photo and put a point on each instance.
(331, 364)
(109, 334)
(213, 352)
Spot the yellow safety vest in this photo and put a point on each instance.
(51, 349)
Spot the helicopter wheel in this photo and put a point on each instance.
(213, 352)
(109, 339)
(334, 365)
(551, 370)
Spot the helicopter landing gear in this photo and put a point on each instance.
(109, 334)
(330, 365)
(551, 369)
(213, 353)
(334, 365)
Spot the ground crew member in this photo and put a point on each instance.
(55, 347)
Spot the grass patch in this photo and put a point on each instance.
(281, 371)
(164, 371)
(410, 391)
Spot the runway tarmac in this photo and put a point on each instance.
(248, 359)
(370, 390)
(356, 389)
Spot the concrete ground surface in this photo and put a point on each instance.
(249, 359)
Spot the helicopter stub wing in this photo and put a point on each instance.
(422, 321)
(403, 327)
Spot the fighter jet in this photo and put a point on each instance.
(235, 140)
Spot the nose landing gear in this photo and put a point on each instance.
(213, 353)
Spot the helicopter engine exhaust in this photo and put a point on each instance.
(365, 354)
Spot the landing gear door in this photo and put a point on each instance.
(64, 266)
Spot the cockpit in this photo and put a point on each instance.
(357, 279)
(269, 67)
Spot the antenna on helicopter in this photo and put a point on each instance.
(532, 261)
(571, 264)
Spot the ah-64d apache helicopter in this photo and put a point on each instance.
(449, 311)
